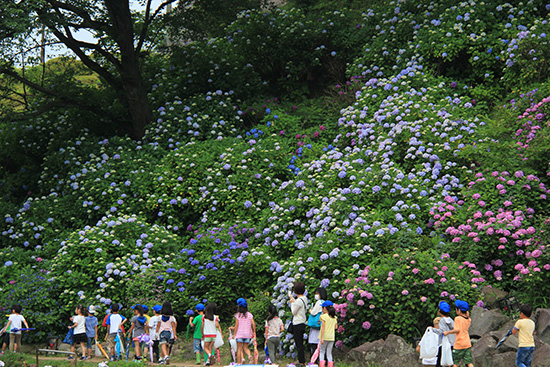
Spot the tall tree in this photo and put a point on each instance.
(121, 37)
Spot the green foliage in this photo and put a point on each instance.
(399, 294)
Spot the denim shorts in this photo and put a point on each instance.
(243, 340)
(89, 344)
(165, 337)
(197, 347)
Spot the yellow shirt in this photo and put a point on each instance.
(526, 328)
(462, 324)
(330, 325)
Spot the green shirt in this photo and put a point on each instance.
(197, 321)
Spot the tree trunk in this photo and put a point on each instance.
(130, 69)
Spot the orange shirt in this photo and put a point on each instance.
(462, 324)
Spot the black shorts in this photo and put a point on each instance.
(80, 338)
(7, 338)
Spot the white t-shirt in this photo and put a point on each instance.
(114, 323)
(16, 322)
(153, 321)
(80, 322)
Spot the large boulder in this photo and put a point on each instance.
(484, 321)
(484, 349)
(386, 353)
(542, 316)
(491, 296)
(541, 357)
(366, 353)
(507, 359)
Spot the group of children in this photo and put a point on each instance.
(453, 335)
(208, 330)
(12, 330)
(458, 338)
(160, 330)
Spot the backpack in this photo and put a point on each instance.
(429, 344)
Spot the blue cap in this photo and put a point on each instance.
(145, 308)
(199, 307)
(444, 307)
(157, 308)
(462, 305)
(242, 302)
(327, 304)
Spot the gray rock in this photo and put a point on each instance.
(366, 353)
(507, 359)
(484, 349)
(484, 321)
(491, 296)
(541, 357)
(389, 353)
(542, 316)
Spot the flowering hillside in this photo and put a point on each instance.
(430, 182)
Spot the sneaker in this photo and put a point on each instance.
(1, 353)
(83, 358)
(112, 359)
(70, 357)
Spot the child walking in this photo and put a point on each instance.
(430, 361)
(245, 330)
(210, 324)
(327, 335)
(15, 321)
(525, 327)
(166, 328)
(151, 329)
(91, 329)
(463, 346)
(445, 324)
(313, 337)
(273, 329)
(79, 329)
(137, 329)
(196, 323)
(114, 323)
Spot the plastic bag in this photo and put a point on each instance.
(219, 340)
(446, 352)
(429, 344)
(69, 337)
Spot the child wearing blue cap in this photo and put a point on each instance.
(245, 330)
(329, 323)
(197, 335)
(151, 329)
(445, 324)
(463, 346)
(139, 322)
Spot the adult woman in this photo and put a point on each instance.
(298, 307)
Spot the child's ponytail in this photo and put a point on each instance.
(331, 311)
(272, 312)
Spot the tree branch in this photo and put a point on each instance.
(81, 13)
(149, 20)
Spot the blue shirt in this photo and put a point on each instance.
(91, 323)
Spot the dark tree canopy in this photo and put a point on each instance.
(122, 38)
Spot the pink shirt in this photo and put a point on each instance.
(245, 326)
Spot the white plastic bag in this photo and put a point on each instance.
(97, 352)
(446, 352)
(429, 344)
(219, 340)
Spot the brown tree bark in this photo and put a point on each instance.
(135, 94)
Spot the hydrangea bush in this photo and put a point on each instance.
(417, 191)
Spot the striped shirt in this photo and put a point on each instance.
(245, 326)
